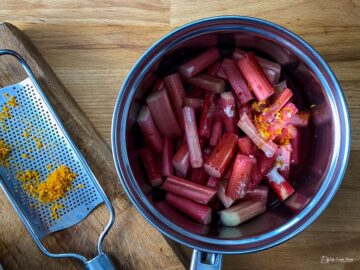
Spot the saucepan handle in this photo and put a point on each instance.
(101, 262)
(205, 261)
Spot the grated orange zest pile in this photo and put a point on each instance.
(52, 189)
(54, 210)
(4, 153)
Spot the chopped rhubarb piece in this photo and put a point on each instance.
(255, 177)
(198, 175)
(279, 103)
(296, 202)
(238, 54)
(241, 212)
(278, 183)
(221, 73)
(237, 81)
(259, 193)
(166, 157)
(250, 130)
(207, 82)
(195, 103)
(240, 177)
(164, 117)
(301, 119)
(177, 94)
(151, 167)
(216, 131)
(246, 146)
(221, 156)
(296, 150)
(190, 190)
(176, 217)
(265, 163)
(159, 85)
(288, 132)
(149, 130)
(206, 116)
(226, 201)
(199, 212)
(228, 109)
(213, 69)
(282, 118)
(271, 69)
(255, 77)
(181, 161)
(283, 160)
(192, 137)
(213, 182)
(199, 63)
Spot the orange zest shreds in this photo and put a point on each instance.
(262, 126)
(54, 210)
(284, 140)
(6, 95)
(25, 156)
(5, 151)
(12, 102)
(49, 167)
(26, 134)
(52, 189)
(38, 143)
(5, 113)
(30, 180)
(56, 185)
(258, 106)
(79, 186)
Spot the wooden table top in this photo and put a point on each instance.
(91, 45)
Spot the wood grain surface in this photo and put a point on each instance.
(132, 243)
(91, 46)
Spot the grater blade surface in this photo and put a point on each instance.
(36, 116)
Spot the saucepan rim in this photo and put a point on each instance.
(334, 175)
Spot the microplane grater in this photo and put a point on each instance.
(46, 146)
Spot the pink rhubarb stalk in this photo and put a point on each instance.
(213, 182)
(181, 161)
(255, 77)
(278, 183)
(195, 103)
(206, 117)
(242, 212)
(199, 212)
(237, 81)
(228, 111)
(278, 104)
(216, 131)
(151, 167)
(206, 82)
(177, 94)
(240, 177)
(250, 130)
(199, 63)
(192, 137)
(221, 156)
(149, 130)
(166, 157)
(162, 112)
(246, 146)
(226, 200)
(190, 190)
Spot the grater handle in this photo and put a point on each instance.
(100, 262)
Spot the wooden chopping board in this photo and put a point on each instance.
(132, 242)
